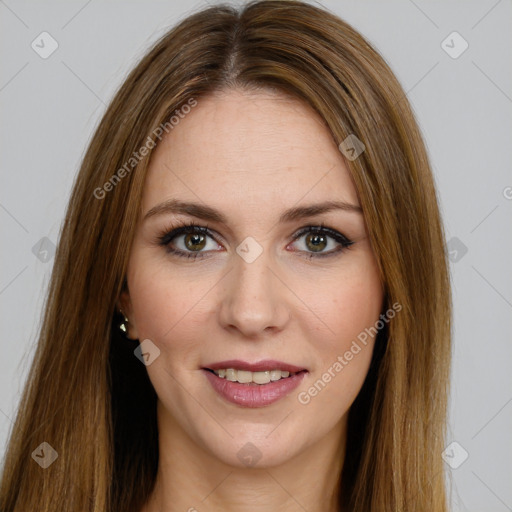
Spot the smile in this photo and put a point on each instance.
(253, 389)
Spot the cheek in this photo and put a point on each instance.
(168, 307)
(346, 303)
(346, 311)
(355, 307)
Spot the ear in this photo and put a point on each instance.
(124, 304)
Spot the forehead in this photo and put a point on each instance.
(248, 148)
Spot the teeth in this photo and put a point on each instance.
(246, 377)
(277, 374)
(231, 374)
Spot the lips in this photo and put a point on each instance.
(253, 395)
(260, 366)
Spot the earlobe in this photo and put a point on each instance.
(124, 307)
(124, 303)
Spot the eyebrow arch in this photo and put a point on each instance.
(208, 213)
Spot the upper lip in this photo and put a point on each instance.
(260, 366)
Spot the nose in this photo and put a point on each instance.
(254, 298)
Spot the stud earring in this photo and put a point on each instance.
(123, 326)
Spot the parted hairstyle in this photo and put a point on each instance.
(86, 394)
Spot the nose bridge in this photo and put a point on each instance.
(253, 300)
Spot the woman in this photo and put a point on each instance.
(250, 305)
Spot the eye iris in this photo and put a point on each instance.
(317, 240)
(196, 239)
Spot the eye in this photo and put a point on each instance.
(193, 241)
(315, 239)
(188, 241)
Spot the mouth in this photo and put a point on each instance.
(262, 372)
(248, 377)
(253, 384)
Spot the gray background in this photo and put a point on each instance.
(49, 108)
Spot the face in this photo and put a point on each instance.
(261, 277)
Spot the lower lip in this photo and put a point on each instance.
(254, 395)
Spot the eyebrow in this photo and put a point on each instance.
(204, 212)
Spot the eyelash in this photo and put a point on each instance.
(168, 235)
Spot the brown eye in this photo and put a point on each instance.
(195, 241)
(192, 241)
(189, 241)
(316, 242)
(320, 241)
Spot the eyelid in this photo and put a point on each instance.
(321, 228)
(172, 232)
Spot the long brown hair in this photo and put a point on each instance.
(90, 399)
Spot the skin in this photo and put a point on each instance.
(251, 155)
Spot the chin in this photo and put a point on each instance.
(255, 448)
